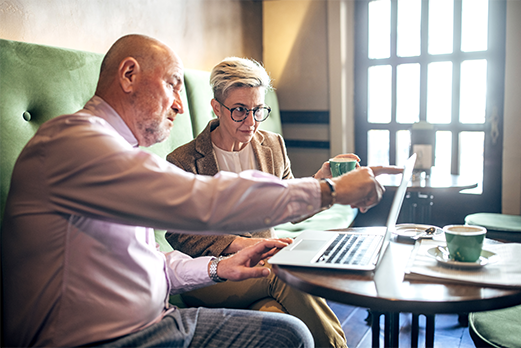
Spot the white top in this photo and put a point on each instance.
(77, 265)
(236, 161)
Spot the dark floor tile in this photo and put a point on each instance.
(341, 310)
(355, 327)
(367, 340)
(466, 340)
(448, 330)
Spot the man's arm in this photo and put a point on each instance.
(241, 265)
(101, 176)
(186, 273)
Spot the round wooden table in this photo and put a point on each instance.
(386, 292)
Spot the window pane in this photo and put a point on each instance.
(471, 158)
(377, 147)
(443, 151)
(379, 29)
(379, 94)
(403, 144)
(441, 18)
(439, 92)
(409, 28)
(473, 92)
(474, 25)
(408, 93)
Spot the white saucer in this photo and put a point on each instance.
(486, 258)
(411, 230)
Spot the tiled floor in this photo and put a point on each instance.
(448, 333)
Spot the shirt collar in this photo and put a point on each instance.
(98, 107)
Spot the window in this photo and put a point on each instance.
(426, 61)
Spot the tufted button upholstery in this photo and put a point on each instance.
(38, 83)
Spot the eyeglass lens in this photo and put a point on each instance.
(259, 114)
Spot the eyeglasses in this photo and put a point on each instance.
(240, 113)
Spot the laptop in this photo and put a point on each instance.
(355, 249)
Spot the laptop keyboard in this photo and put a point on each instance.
(351, 249)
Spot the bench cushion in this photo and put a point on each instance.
(499, 226)
(498, 328)
(38, 83)
(495, 222)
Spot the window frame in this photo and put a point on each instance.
(495, 57)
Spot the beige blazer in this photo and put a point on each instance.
(198, 157)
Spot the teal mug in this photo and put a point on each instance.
(341, 166)
(465, 242)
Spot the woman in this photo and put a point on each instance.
(233, 142)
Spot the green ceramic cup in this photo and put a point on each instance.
(465, 242)
(341, 166)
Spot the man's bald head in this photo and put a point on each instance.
(147, 51)
(141, 78)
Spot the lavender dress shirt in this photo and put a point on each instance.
(80, 262)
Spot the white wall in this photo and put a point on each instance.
(202, 32)
(512, 113)
(295, 52)
(296, 56)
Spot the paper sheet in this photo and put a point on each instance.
(505, 273)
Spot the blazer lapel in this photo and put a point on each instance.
(207, 164)
(263, 154)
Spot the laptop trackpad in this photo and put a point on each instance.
(308, 245)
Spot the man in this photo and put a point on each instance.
(79, 268)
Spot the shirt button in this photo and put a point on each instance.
(267, 221)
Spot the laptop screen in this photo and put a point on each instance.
(397, 204)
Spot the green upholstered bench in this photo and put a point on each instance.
(499, 226)
(498, 328)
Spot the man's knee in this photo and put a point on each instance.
(288, 331)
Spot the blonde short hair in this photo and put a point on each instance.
(234, 72)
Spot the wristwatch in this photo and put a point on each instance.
(332, 193)
(213, 270)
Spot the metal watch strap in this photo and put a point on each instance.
(213, 270)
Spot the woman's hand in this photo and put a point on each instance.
(325, 170)
(241, 265)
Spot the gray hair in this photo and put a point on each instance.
(234, 72)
